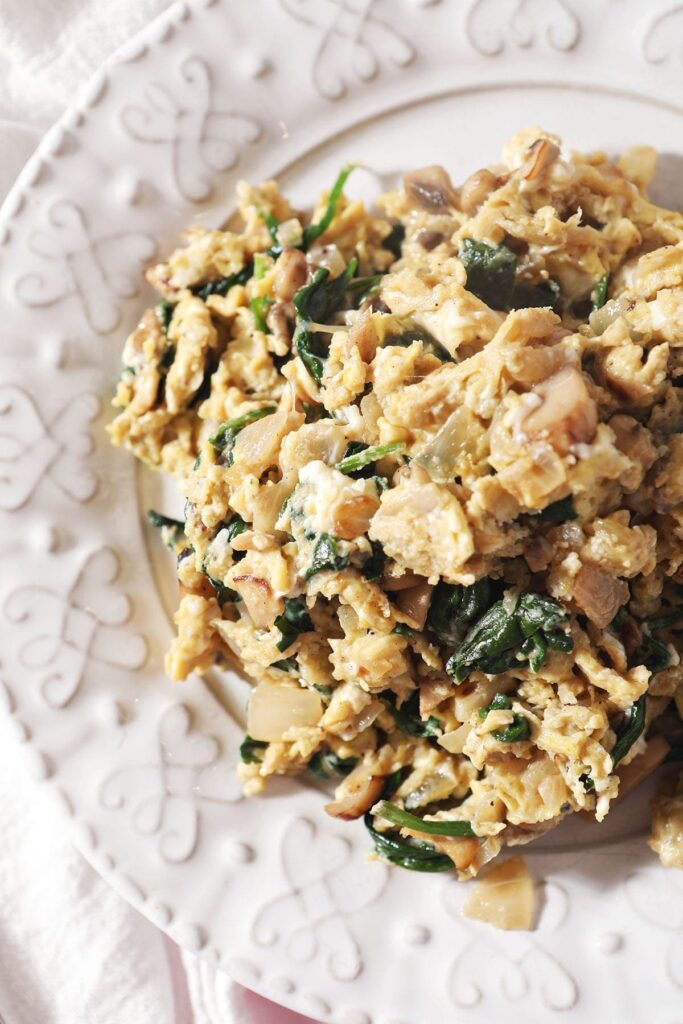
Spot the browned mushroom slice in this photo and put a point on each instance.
(356, 794)
(541, 155)
(430, 188)
(567, 414)
(476, 189)
(291, 273)
(259, 599)
(352, 517)
(414, 601)
(599, 594)
(429, 239)
(635, 441)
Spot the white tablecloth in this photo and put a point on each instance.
(71, 951)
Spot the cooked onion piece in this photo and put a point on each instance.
(504, 897)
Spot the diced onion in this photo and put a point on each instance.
(268, 503)
(504, 898)
(276, 707)
(454, 742)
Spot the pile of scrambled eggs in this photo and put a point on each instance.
(433, 468)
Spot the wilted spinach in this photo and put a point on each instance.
(294, 621)
(222, 285)
(503, 638)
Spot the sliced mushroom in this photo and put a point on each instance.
(291, 274)
(430, 188)
(414, 601)
(261, 603)
(599, 594)
(635, 441)
(541, 155)
(476, 189)
(392, 581)
(429, 239)
(352, 517)
(278, 323)
(363, 334)
(538, 553)
(356, 794)
(567, 414)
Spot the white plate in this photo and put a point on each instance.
(273, 889)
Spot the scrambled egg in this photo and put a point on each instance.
(433, 471)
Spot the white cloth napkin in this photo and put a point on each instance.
(71, 950)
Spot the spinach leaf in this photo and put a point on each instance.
(431, 345)
(666, 619)
(316, 302)
(411, 854)
(159, 520)
(599, 293)
(173, 530)
(633, 727)
(558, 511)
(490, 272)
(259, 308)
(394, 240)
(294, 621)
(318, 299)
(588, 782)
(656, 652)
(325, 764)
(261, 266)
(374, 565)
(404, 819)
(308, 346)
(314, 231)
(314, 412)
(223, 440)
(249, 748)
(529, 296)
(224, 595)
(535, 612)
(285, 665)
(499, 639)
(363, 288)
(407, 716)
(360, 459)
(272, 223)
(223, 284)
(235, 527)
(500, 702)
(402, 630)
(167, 357)
(517, 730)
(326, 556)
(453, 605)
(164, 312)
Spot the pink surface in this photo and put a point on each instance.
(261, 1011)
(265, 1012)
